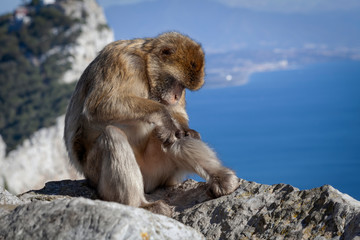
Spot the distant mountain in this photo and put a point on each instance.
(221, 28)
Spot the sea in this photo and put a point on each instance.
(298, 126)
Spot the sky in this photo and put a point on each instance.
(223, 25)
(285, 6)
(288, 6)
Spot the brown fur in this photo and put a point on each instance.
(126, 127)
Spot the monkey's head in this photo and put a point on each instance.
(174, 62)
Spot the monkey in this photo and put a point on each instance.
(126, 127)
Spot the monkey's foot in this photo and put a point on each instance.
(223, 183)
(158, 207)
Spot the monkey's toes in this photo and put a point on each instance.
(223, 184)
(180, 134)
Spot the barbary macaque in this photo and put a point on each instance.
(126, 128)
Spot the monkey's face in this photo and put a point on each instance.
(175, 62)
(167, 90)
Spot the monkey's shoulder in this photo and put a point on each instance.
(127, 45)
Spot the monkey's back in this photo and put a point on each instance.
(118, 70)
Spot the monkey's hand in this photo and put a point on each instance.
(167, 135)
(188, 133)
(171, 130)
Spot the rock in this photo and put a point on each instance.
(81, 218)
(8, 202)
(39, 159)
(2, 148)
(60, 190)
(7, 198)
(256, 211)
(253, 211)
(95, 34)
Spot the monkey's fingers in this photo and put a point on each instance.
(180, 134)
(187, 133)
(192, 133)
(167, 143)
(167, 137)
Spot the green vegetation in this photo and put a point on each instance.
(31, 96)
(101, 27)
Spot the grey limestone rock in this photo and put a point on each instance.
(81, 218)
(8, 198)
(8, 201)
(256, 211)
(259, 211)
(253, 211)
(37, 160)
(95, 34)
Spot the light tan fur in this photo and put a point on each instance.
(126, 127)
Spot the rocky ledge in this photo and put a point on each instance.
(69, 210)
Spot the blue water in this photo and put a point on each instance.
(300, 127)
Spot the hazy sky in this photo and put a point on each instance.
(271, 5)
(257, 5)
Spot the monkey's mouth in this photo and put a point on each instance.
(174, 95)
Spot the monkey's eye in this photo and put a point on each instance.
(193, 65)
(166, 51)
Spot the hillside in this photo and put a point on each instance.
(34, 56)
(44, 49)
(31, 95)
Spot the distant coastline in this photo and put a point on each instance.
(236, 68)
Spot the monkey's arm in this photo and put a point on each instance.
(115, 108)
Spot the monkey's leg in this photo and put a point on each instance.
(120, 176)
(194, 155)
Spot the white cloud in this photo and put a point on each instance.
(292, 6)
